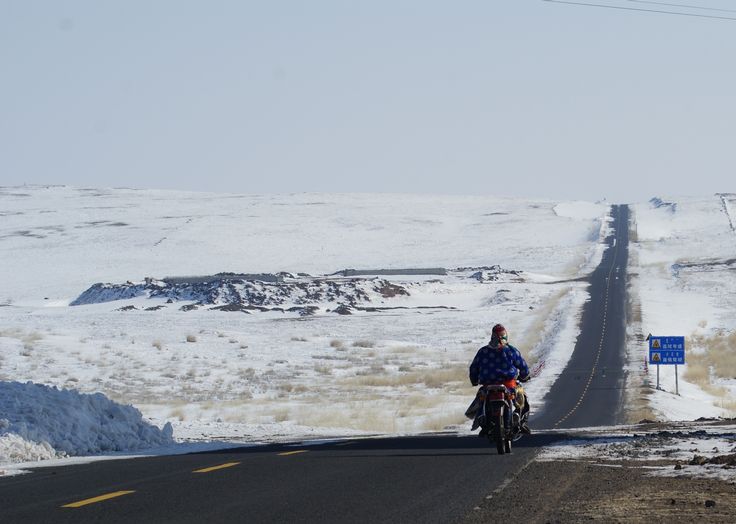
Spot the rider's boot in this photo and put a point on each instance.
(524, 426)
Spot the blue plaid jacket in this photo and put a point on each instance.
(497, 365)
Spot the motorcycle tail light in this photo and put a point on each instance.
(495, 395)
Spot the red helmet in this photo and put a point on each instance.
(498, 328)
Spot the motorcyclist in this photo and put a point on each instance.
(499, 362)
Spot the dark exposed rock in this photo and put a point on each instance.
(388, 272)
(262, 277)
(232, 308)
(725, 460)
(304, 311)
(373, 309)
(658, 203)
(491, 273)
(389, 290)
(233, 294)
(189, 307)
(342, 309)
(698, 460)
(109, 292)
(127, 308)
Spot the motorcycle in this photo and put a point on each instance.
(495, 412)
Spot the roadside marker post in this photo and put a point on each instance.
(667, 351)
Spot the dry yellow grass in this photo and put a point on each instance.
(718, 357)
(431, 378)
(444, 421)
(281, 414)
(403, 350)
(532, 336)
(28, 339)
(438, 378)
(697, 369)
(323, 369)
(722, 352)
(177, 413)
(638, 390)
(359, 416)
(709, 359)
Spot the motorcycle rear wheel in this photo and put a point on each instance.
(498, 434)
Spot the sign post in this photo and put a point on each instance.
(667, 351)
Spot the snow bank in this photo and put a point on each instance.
(39, 422)
(14, 448)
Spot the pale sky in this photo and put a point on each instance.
(524, 98)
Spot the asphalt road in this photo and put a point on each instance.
(428, 479)
(589, 392)
(420, 479)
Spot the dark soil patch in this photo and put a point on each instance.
(572, 492)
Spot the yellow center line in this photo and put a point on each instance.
(214, 468)
(97, 499)
(603, 334)
(293, 452)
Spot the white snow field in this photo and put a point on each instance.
(233, 376)
(396, 365)
(683, 276)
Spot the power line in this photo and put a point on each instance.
(679, 13)
(685, 5)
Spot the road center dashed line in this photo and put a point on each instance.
(100, 498)
(214, 468)
(287, 453)
(603, 333)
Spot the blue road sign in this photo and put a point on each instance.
(666, 350)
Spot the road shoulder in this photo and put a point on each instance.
(620, 491)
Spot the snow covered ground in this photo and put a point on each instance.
(703, 449)
(396, 365)
(232, 376)
(683, 283)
